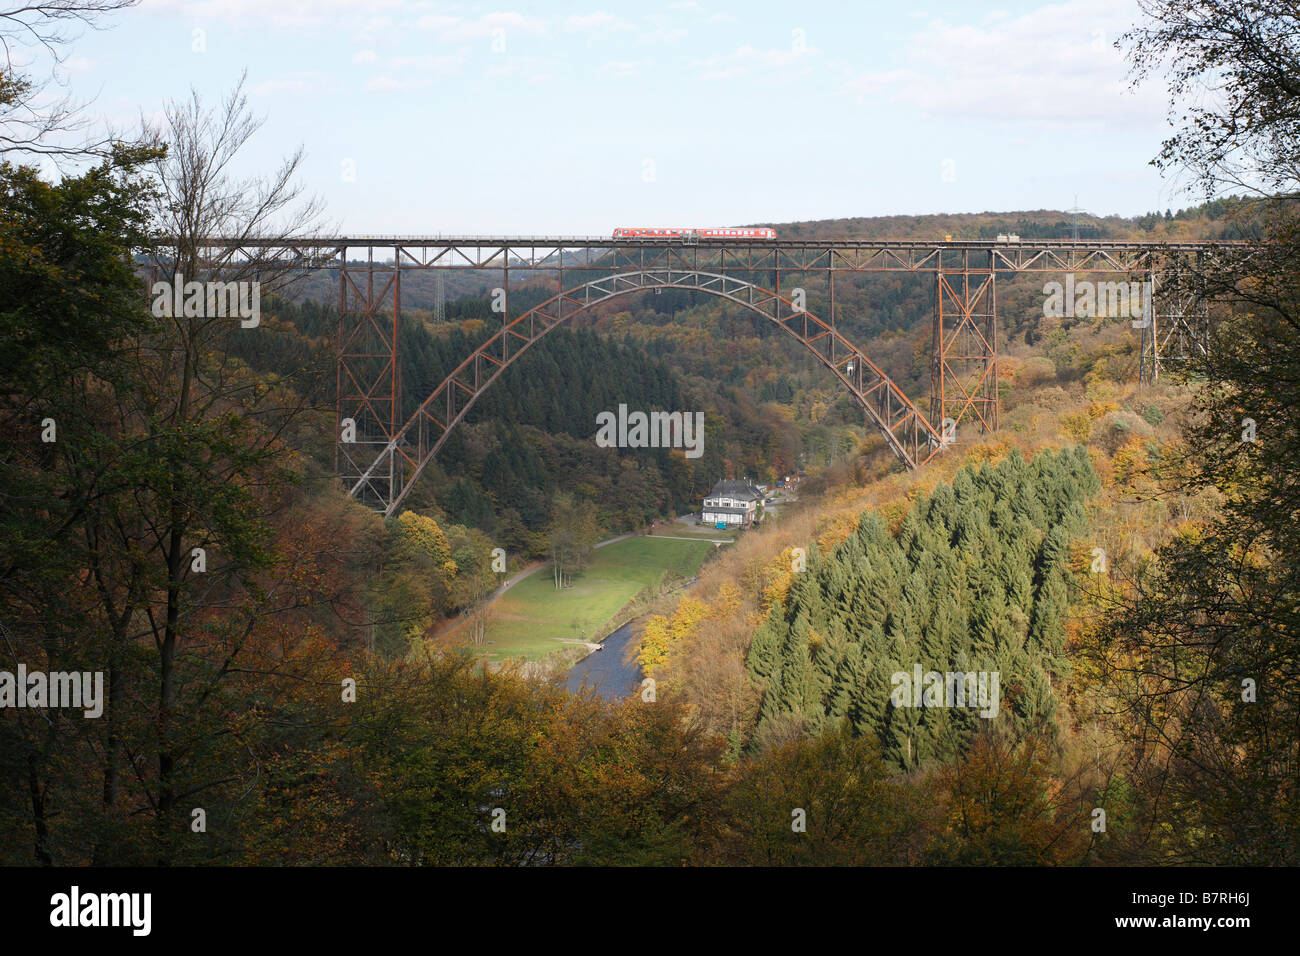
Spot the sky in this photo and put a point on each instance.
(571, 119)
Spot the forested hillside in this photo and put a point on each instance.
(1219, 218)
(973, 578)
(531, 434)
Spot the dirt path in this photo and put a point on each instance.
(451, 624)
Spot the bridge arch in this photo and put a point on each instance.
(400, 463)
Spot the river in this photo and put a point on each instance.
(608, 671)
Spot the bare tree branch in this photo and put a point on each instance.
(34, 121)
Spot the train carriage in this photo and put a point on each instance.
(723, 233)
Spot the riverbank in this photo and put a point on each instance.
(530, 620)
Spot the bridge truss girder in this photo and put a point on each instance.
(964, 352)
(1175, 326)
(410, 448)
(385, 459)
(544, 254)
(368, 388)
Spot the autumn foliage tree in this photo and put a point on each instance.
(1201, 652)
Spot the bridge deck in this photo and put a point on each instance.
(604, 253)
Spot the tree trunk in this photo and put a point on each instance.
(42, 847)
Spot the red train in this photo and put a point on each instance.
(652, 232)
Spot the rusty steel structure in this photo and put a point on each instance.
(1175, 324)
(413, 445)
(964, 351)
(369, 383)
(380, 454)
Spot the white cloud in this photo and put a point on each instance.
(747, 60)
(281, 12)
(621, 67)
(413, 72)
(364, 56)
(532, 77)
(428, 63)
(600, 20)
(311, 82)
(385, 84)
(530, 68)
(457, 29)
(435, 21)
(1055, 63)
(375, 28)
(664, 35)
(696, 10)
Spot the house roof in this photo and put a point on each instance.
(735, 489)
(719, 510)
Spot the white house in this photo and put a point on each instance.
(731, 503)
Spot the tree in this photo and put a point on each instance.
(1242, 139)
(825, 801)
(168, 491)
(68, 302)
(475, 579)
(415, 584)
(1004, 807)
(452, 749)
(571, 535)
(1202, 650)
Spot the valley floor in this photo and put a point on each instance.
(531, 620)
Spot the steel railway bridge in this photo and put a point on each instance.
(768, 277)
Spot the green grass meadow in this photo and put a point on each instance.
(532, 619)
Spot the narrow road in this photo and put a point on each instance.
(621, 537)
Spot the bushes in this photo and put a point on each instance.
(1035, 371)
(1117, 428)
(1078, 426)
(1130, 459)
